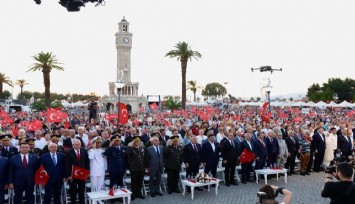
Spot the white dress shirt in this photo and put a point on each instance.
(213, 146)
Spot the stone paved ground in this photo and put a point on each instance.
(305, 189)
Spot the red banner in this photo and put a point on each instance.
(80, 173)
(246, 156)
(41, 176)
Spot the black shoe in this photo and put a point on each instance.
(199, 189)
(244, 182)
(140, 196)
(307, 173)
(205, 187)
(133, 197)
(303, 174)
(177, 191)
(170, 191)
(235, 183)
(152, 195)
(158, 193)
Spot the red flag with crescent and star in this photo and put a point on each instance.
(154, 106)
(123, 114)
(41, 176)
(80, 173)
(55, 115)
(34, 125)
(246, 156)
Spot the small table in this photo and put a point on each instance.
(95, 197)
(198, 184)
(266, 172)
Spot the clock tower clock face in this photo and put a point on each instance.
(125, 40)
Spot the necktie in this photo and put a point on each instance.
(194, 146)
(24, 161)
(54, 161)
(78, 153)
(263, 143)
(156, 149)
(232, 143)
(349, 140)
(293, 140)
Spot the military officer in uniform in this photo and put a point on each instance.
(55, 139)
(7, 150)
(173, 160)
(136, 159)
(97, 165)
(33, 150)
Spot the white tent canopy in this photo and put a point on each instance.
(79, 104)
(345, 104)
(321, 104)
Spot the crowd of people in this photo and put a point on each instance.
(154, 143)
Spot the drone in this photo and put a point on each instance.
(266, 69)
(74, 5)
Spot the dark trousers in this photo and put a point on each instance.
(271, 161)
(310, 162)
(211, 168)
(137, 182)
(2, 192)
(28, 188)
(53, 189)
(192, 171)
(154, 181)
(116, 178)
(260, 164)
(173, 179)
(77, 187)
(290, 164)
(318, 160)
(229, 172)
(246, 169)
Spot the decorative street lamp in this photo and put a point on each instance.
(268, 90)
(119, 85)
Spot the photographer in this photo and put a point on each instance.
(268, 193)
(343, 191)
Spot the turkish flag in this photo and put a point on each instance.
(4, 115)
(166, 122)
(123, 114)
(154, 106)
(282, 115)
(8, 121)
(55, 115)
(41, 176)
(246, 156)
(34, 125)
(80, 173)
(110, 117)
(176, 112)
(263, 116)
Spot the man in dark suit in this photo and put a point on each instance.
(76, 157)
(192, 156)
(4, 176)
(146, 135)
(210, 155)
(68, 143)
(260, 151)
(230, 157)
(292, 147)
(21, 174)
(155, 165)
(129, 136)
(53, 163)
(273, 149)
(319, 148)
(345, 144)
(7, 150)
(247, 168)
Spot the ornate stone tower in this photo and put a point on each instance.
(129, 93)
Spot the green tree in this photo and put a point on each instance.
(25, 95)
(46, 62)
(344, 89)
(214, 90)
(172, 104)
(21, 83)
(183, 53)
(5, 94)
(192, 86)
(40, 105)
(4, 80)
(314, 88)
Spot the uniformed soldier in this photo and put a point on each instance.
(173, 160)
(7, 150)
(55, 139)
(136, 159)
(33, 150)
(97, 165)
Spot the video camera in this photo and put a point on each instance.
(262, 196)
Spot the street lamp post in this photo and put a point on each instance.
(268, 90)
(119, 85)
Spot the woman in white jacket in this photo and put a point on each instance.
(97, 165)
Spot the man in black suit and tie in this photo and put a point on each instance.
(210, 155)
(292, 147)
(68, 143)
(155, 165)
(273, 149)
(260, 151)
(192, 155)
(319, 148)
(76, 157)
(247, 166)
(146, 135)
(53, 163)
(345, 144)
(21, 174)
(230, 157)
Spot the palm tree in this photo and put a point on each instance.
(4, 80)
(21, 83)
(192, 85)
(46, 62)
(183, 53)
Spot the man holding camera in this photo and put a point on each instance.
(343, 191)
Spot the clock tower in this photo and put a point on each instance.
(123, 46)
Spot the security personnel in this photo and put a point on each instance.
(4, 176)
(136, 159)
(54, 139)
(173, 160)
(33, 150)
(7, 150)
